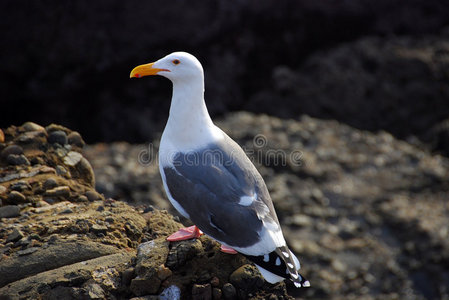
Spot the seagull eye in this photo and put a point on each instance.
(176, 62)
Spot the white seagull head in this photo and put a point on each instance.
(177, 66)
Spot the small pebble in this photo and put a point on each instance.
(12, 149)
(92, 195)
(246, 278)
(98, 229)
(215, 282)
(50, 183)
(148, 209)
(37, 161)
(66, 211)
(31, 137)
(100, 208)
(60, 170)
(60, 191)
(58, 136)
(72, 158)
(75, 138)
(14, 236)
(82, 198)
(34, 236)
(9, 211)
(2, 190)
(16, 197)
(27, 251)
(171, 293)
(53, 238)
(163, 272)
(17, 159)
(94, 291)
(20, 186)
(229, 291)
(31, 126)
(60, 151)
(42, 203)
(23, 243)
(50, 201)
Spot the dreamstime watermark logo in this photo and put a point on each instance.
(260, 154)
(147, 156)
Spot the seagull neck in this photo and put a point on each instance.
(188, 109)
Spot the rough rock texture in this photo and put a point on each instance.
(398, 84)
(75, 58)
(367, 214)
(61, 239)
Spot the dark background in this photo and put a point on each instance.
(376, 65)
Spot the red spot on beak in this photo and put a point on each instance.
(138, 75)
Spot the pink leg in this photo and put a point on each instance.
(227, 250)
(187, 233)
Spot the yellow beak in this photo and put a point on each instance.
(145, 70)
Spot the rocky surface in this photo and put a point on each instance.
(397, 84)
(366, 213)
(61, 239)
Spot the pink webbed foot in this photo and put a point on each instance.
(227, 250)
(187, 233)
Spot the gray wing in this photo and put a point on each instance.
(209, 185)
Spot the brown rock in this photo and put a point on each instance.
(55, 127)
(17, 159)
(14, 236)
(42, 203)
(215, 282)
(56, 255)
(9, 211)
(127, 276)
(60, 191)
(72, 158)
(183, 251)
(16, 197)
(66, 275)
(2, 136)
(162, 222)
(229, 291)
(50, 183)
(247, 278)
(144, 286)
(202, 292)
(94, 291)
(31, 126)
(76, 139)
(32, 137)
(163, 272)
(86, 172)
(11, 149)
(150, 256)
(81, 198)
(92, 196)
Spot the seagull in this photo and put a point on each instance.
(209, 179)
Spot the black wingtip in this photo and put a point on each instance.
(280, 265)
(303, 282)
